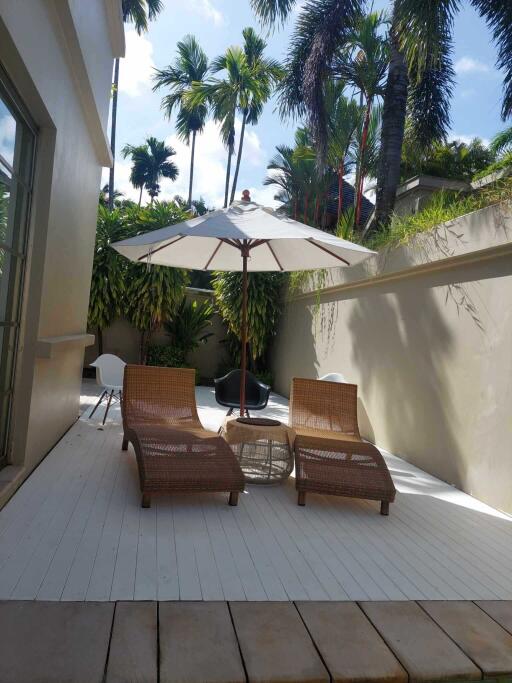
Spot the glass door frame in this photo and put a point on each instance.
(18, 258)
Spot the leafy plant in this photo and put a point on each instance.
(108, 283)
(153, 292)
(263, 310)
(188, 325)
(504, 162)
(443, 206)
(164, 355)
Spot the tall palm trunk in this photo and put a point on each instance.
(191, 180)
(360, 183)
(113, 137)
(228, 174)
(140, 195)
(239, 158)
(306, 198)
(392, 135)
(341, 172)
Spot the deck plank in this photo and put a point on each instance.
(499, 610)
(351, 648)
(198, 644)
(479, 636)
(275, 645)
(423, 649)
(133, 652)
(54, 642)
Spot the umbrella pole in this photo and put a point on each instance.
(245, 254)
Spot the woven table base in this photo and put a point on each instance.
(264, 462)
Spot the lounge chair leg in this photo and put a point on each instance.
(233, 498)
(301, 498)
(146, 500)
(124, 446)
(384, 507)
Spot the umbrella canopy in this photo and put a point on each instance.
(244, 237)
(213, 242)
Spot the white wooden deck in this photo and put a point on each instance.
(76, 531)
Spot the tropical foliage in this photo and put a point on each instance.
(188, 326)
(150, 163)
(245, 84)
(263, 310)
(145, 295)
(108, 283)
(420, 76)
(139, 13)
(190, 67)
(443, 206)
(456, 159)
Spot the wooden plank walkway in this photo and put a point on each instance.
(265, 642)
(75, 531)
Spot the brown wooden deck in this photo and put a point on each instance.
(264, 642)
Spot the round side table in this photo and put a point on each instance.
(264, 448)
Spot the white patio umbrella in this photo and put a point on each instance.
(244, 237)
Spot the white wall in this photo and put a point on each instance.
(59, 56)
(425, 331)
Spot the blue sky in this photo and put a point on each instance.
(218, 24)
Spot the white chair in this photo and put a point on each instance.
(334, 377)
(109, 375)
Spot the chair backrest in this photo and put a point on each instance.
(109, 370)
(227, 388)
(316, 404)
(333, 377)
(160, 396)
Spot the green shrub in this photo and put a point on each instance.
(504, 162)
(443, 206)
(166, 356)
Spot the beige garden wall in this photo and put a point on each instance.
(425, 331)
(123, 340)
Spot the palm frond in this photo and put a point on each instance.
(140, 12)
(425, 36)
(272, 11)
(498, 15)
(502, 142)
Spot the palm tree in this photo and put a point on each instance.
(421, 37)
(190, 66)
(150, 163)
(222, 96)
(247, 84)
(363, 64)
(140, 13)
(265, 74)
(343, 121)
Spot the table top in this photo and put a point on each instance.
(243, 432)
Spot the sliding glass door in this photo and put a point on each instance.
(17, 146)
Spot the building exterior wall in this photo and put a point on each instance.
(425, 331)
(59, 57)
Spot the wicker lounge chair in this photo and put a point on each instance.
(174, 451)
(330, 456)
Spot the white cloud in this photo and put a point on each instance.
(455, 137)
(207, 10)
(137, 67)
(7, 136)
(467, 65)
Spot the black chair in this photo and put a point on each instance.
(227, 392)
